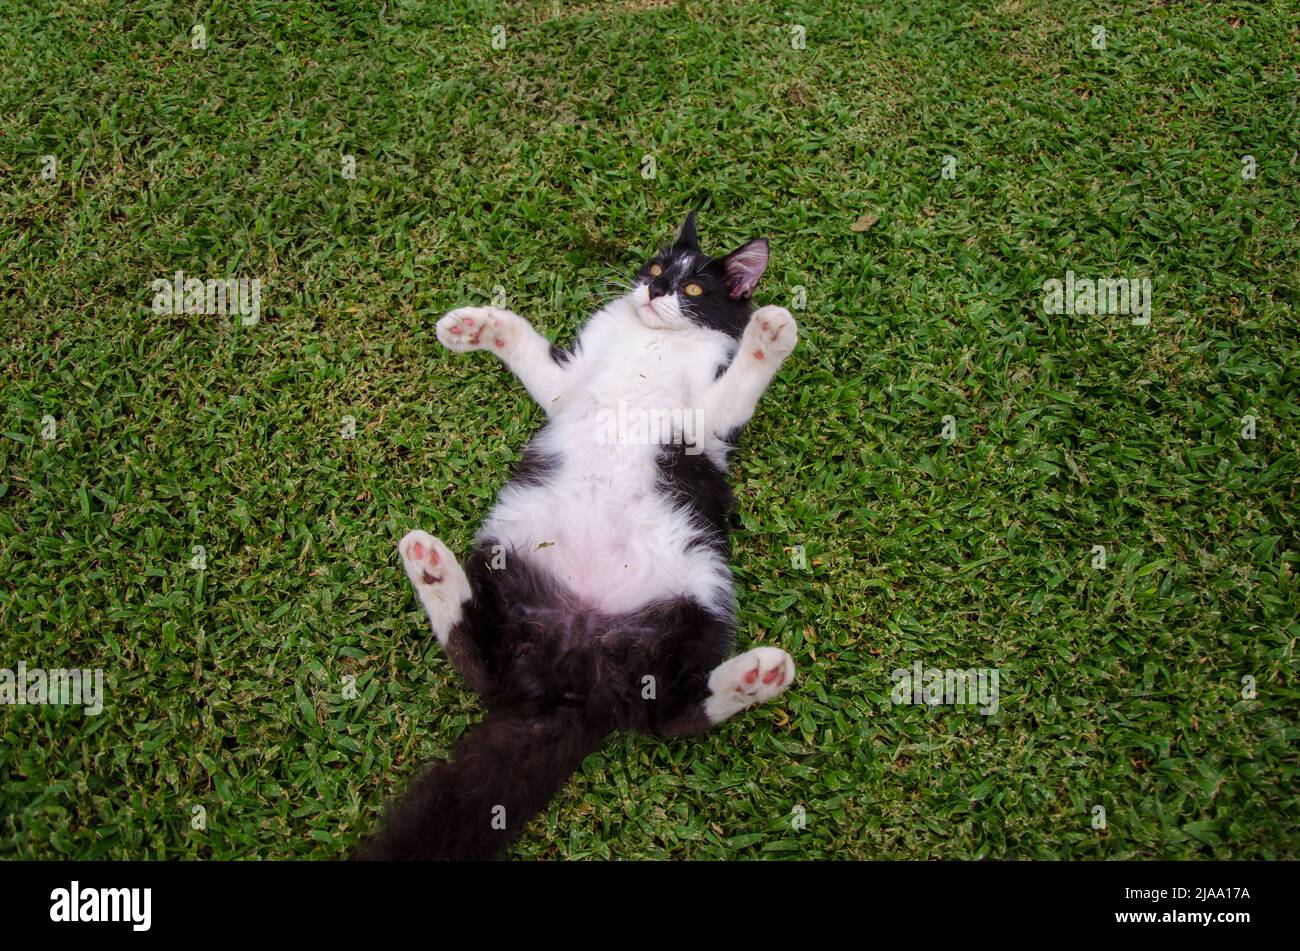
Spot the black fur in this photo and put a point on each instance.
(556, 679)
(694, 481)
(560, 355)
(534, 468)
(557, 676)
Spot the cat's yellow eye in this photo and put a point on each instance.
(693, 290)
(655, 270)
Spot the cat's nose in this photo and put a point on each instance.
(658, 290)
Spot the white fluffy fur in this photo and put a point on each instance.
(598, 524)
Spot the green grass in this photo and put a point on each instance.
(476, 167)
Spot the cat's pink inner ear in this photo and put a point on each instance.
(745, 266)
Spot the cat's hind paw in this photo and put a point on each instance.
(754, 677)
(438, 579)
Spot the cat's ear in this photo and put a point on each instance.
(745, 266)
(686, 236)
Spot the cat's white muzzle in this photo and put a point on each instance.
(660, 313)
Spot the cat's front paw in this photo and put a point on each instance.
(770, 335)
(478, 328)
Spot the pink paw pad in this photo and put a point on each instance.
(417, 553)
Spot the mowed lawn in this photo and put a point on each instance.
(921, 168)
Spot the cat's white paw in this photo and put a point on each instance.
(771, 334)
(756, 676)
(424, 557)
(478, 328)
(438, 579)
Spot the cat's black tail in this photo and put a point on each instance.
(502, 772)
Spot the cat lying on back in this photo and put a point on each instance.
(597, 596)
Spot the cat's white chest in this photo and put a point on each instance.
(600, 522)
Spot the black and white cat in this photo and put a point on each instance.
(597, 596)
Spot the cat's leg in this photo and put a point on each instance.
(447, 597)
(751, 678)
(526, 352)
(769, 338)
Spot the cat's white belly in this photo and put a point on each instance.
(610, 536)
(598, 523)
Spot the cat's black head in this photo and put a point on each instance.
(682, 285)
